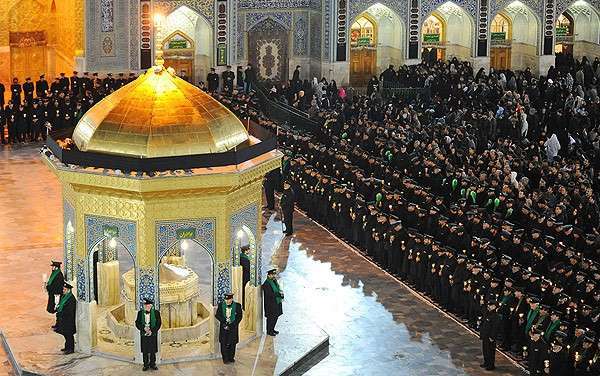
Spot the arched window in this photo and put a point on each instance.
(362, 33)
(500, 28)
(564, 25)
(432, 30)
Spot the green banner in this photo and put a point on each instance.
(561, 31)
(363, 41)
(222, 54)
(429, 38)
(177, 44)
(186, 233)
(501, 35)
(110, 231)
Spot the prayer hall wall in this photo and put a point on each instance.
(40, 36)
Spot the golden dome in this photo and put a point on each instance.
(159, 115)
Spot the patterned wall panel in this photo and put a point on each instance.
(166, 237)
(241, 27)
(223, 281)
(80, 272)
(470, 6)
(562, 5)
(497, 5)
(315, 36)
(69, 233)
(263, 4)
(327, 29)
(145, 36)
(548, 27)
(106, 16)
(341, 27)
(301, 33)
(203, 7)
(356, 7)
(134, 36)
(283, 18)
(248, 217)
(222, 32)
(268, 48)
(482, 28)
(147, 282)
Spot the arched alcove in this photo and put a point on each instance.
(447, 32)
(584, 36)
(500, 42)
(525, 32)
(193, 59)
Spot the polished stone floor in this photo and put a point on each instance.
(376, 326)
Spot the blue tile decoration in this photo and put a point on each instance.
(301, 33)
(223, 281)
(263, 4)
(469, 6)
(202, 7)
(166, 237)
(400, 7)
(326, 30)
(315, 36)
(81, 280)
(282, 18)
(147, 283)
(94, 234)
(246, 217)
(69, 240)
(536, 6)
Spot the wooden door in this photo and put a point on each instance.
(362, 66)
(182, 67)
(28, 62)
(500, 58)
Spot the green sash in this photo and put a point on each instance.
(232, 317)
(52, 277)
(531, 315)
(506, 298)
(245, 256)
(152, 317)
(63, 301)
(551, 329)
(276, 290)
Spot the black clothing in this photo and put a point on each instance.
(228, 80)
(287, 208)
(229, 331)
(245, 264)
(272, 309)
(55, 288)
(149, 343)
(212, 80)
(65, 322)
(488, 332)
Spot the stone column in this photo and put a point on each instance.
(86, 326)
(414, 33)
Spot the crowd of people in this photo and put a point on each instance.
(483, 198)
(33, 109)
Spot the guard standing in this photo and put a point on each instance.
(65, 318)
(28, 90)
(54, 287)
(41, 87)
(245, 263)
(212, 79)
(229, 314)
(148, 323)
(228, 79)
(287, 207)
(273, 296)
(488, 332)
(15, 90)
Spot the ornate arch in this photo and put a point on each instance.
(183, 35)
(468, 6)
(283, 19)
(246, 217)
(563, 5)
(205, 8)
(400, 8)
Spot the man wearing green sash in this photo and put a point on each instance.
(54, 287)
(273, 296)
(148, 323)
(553, 326)
(534, 310)
(65, 318)
(229, 314)
(245, 264)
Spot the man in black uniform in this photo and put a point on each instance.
(64, 83)
(488, 332)
(65, 318)
(75, 82)
(287, 207)
(2, 123)
(271, 181)
(273, 296)
(559, 361)
(28, 90)
(229, 314)
(212, 80)
(15, 90)
(228, 79)
(245, 263)
(537, 352)
(121, 81)
(54, 287)
(41, 87)
(148, 322)
(2, 89)
(239, 73)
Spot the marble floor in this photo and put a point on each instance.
(375, 325)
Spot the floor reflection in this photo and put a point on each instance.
(376, 326)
